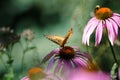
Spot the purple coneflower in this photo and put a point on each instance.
(104, 18)
(65, 58)
(38, 74)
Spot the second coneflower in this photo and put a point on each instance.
(104, 18)
(66, 58)
(39, 74)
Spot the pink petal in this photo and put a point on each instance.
(98, 35)
(50, 64)
(80, 62)
(111, 34)
(116, 19)
(115, 27)
(84, 55)
(66, 69)
(78, 74)
(51, 77)
(68, 64)
(91, 20)
(25, 78)
(58, 66)
(87, 27)
(116, 14)
(48, 56)
(90, 31)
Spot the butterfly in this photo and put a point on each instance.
(61, 41)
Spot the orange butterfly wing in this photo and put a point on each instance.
(60, 40)
(67, 36)
(56, 39)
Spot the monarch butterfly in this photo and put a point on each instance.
(58, 39)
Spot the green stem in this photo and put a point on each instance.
(113, 53)
(24, 51)
(4, 64)
(22, 63)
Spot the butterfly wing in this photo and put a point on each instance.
(56, 39)
(60, 40)
(69, 33)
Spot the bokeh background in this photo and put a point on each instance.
(53, 17)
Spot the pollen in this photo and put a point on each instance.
(66, 53)
(36, 73)
(103, 13)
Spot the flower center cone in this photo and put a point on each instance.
(36, 74)
(103, 13)
(67, 53)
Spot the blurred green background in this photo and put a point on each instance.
(53, 17)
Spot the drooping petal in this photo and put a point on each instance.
(80, 62)
(67, 65)
(48, 56)
(116, 14)
(66, 69)
(116, 19)
(98, 35)
(91, 31)
(111, 34)
(84, 55)
(58, 66)
(51, 77)
(115, 27)
(51, 64)
(91, 20)
(86, 29)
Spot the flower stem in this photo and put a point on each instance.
(113, 53)
(22, 63)
(23, 56)
(4, 63)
